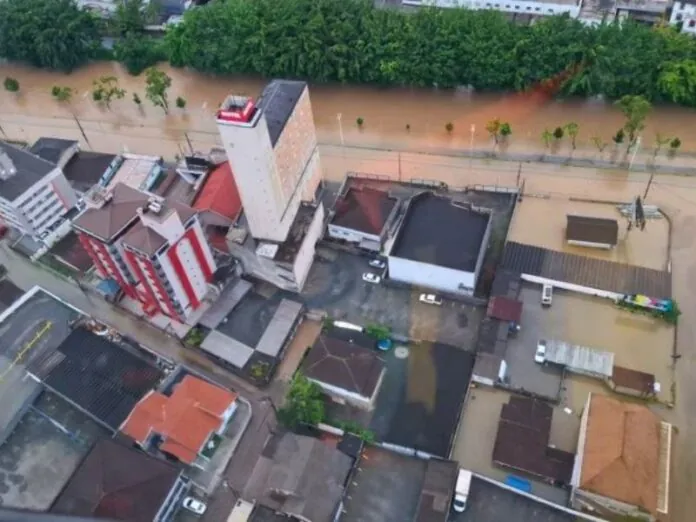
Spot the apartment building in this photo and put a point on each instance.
(271, 145)
(34, 194)
(153, 248)
(532, 8)
(684, 15)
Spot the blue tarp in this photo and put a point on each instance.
(109, 288)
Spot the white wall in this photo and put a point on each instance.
(355, 399)
(431, 276)
(571, 287)
(305, 256)
(685, 13)
(353, 236)
(507, 6)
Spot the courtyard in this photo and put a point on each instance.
(645, 248)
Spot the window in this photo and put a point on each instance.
(679, 17)
(692, 23)
(537, 9)
(529, 8)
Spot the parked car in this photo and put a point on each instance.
(430, 299)
(546, 295)
(369, 277)
(540, 355)
(194, 505)
(377, 263)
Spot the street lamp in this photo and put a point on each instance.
(339, 117)
(471, 144)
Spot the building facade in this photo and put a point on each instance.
(684, 15)
(271, 146)
(154, 249)
(34, 194)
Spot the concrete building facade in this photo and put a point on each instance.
(271, 146)
(154, 249)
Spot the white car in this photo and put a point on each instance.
(546, 295)
(377, 263)
(540, 355)
(194, 505)
(371, 278)
(430, 299)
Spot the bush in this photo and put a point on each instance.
(138, 52)
(558, 133)
(449, 127)
(11, 84)
(304, 403)
(180, 102)
(359, 121)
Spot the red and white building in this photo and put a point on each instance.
(153, 248)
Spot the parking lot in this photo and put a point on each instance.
(336, 286)
(646, 248)
(478, 426)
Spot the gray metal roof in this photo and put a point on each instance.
(580, 359)
(279, 328)
(277, 101)
(30, 169)
(229, 298)
(51, 149)
(227, 349)
(586, 271)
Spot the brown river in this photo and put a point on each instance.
(386, 112)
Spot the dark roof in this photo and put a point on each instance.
(344, 365)
(506, 283)
(522, 441)
(30, 169)
(364, 209)
(118, 483)
(70, 250)
(586, 271)
(144, 239)
(86, 168)
(592, 230)
(300, 476)
(440, 232)
(51, 149)
(277, 101)
(115, 214)
(97, 375)
(505, 309)
(9, 293)
(438, 488)
(633, 379)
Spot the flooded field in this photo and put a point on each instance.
(647, 248)
(415, 116)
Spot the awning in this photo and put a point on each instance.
(505, 309)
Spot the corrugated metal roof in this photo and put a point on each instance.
(586, 271)
(580, 358)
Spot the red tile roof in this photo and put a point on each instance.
(184, 420)
(219, 193)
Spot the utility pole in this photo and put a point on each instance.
(519, 174)
(339, 117)
(636, 146)
(650, 180)
(399, 159)
(188, 140)
(79, 126)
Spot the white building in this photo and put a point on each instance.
(34, 194)
(684, 13)
(440, 244)
(271, 145)
(521, 7)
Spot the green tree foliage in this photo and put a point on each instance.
(304, 403)
(53, 34)
(572, 129)
(635, 110)
(378, 331)
(137, 52)
(157, 84)
(677, 82)
(131, 17)
(106, 89)
(449, 127)
(61, 94)
(558, 133)
(350, 41)
(11, 85)
(505, 130)
(180, 102)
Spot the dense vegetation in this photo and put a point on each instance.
(350, 41)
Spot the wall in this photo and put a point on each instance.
(686, 14)
(577, 465)
(484, 248)
(431, 276)
(354, 399)
(305, 256)
(604, 506)
(571, 287)
(589, 244)
(348, 234)
(507, 6)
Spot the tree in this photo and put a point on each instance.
(138, 52)
(505, 130)
(359, 121)
(599, 143)
(635, 110)
(572, 129)
(379, 332)
(660, 141)
(449, 127)
(157, 83)
(131, 17)
(52, 34)
(493, 128)
(546, 137)
(106, 89)
(61, 94)
(11, 85)
(558, 133)
(619, 137)
(304, 403)
(180, 102)
(136, 99)
(677, 82)
(674, 146)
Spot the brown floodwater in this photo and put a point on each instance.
(386, 112)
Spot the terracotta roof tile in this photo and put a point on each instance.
(621, 454)
(185, 419)
(144, 239)
(220, 194)
(365, 209)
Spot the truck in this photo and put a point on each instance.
(461, 490)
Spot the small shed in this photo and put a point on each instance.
(632, 382)
(580, 359)
(592, 232)
(505, 309)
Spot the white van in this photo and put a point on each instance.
(461, 490)
(546, 294)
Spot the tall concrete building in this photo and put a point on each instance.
(271, 146)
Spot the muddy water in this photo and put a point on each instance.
(386, 112)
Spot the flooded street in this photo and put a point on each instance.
(33, 113)
(386, 113)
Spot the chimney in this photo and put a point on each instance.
(7, 166)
